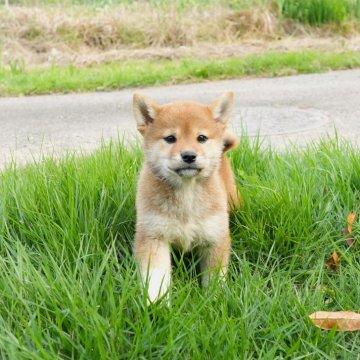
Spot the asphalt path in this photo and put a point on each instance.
(284, 111)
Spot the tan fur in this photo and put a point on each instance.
(180, 204)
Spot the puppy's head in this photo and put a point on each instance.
(184, 139)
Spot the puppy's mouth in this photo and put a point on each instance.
(188, 171)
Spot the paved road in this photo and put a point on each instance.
(295, 109)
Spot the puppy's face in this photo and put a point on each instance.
(184, 139)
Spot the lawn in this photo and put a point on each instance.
(69, 288)
(20, 81)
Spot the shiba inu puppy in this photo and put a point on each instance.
(185, 189)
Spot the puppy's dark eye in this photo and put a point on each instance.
(170, 139)
(202, 138)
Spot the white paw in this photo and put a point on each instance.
(158, 282)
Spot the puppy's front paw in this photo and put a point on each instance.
(158, 282)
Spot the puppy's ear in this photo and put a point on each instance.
(144, 110)
(230, 142)
(222, 107)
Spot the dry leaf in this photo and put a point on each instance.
(350, 240)
(340, 320)
(333, 262)
(350, 220)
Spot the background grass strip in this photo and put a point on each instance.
(20, 81)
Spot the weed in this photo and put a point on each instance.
(317, 12)
(164, 23)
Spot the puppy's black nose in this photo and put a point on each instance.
(188, 156)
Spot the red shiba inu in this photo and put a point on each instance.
(185, 189)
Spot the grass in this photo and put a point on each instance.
(164, 23)
(20, 81)
(59, 33)
(317, 12)
(69, 287)
(313, 12)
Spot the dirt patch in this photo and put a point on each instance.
(81, 36)
(206, 50)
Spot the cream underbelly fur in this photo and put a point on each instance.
(184, 222)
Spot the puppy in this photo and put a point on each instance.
(185, 189)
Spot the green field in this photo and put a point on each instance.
(68, 283)
(20, 81)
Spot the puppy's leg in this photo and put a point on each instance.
(153, 257)
(215, 258)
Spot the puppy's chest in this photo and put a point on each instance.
(189, 218)
(185, 204)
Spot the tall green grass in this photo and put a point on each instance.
(317, 12)
(69, 287)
